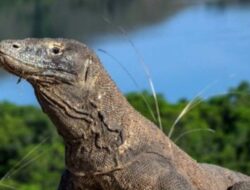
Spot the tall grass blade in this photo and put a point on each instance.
(23, 159)
(188, 107)
(192, 131)
(133, 80)
(7, 186)
(145, 68)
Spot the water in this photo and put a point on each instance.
(187, 47)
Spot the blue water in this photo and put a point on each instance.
(199, 47)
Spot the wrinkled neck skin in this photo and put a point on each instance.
(86, 117)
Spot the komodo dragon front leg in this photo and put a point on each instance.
(105, 138)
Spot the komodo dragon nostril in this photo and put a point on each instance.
(16, 46)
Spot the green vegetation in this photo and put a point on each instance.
(228, 115)
(26, 135)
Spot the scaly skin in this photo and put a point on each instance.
(109, 145)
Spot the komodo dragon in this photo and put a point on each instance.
(109, 145)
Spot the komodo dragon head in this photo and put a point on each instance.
(69, 81)
(46, 60)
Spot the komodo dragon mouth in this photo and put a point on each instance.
(16, 67)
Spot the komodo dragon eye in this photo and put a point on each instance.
(56, 51)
